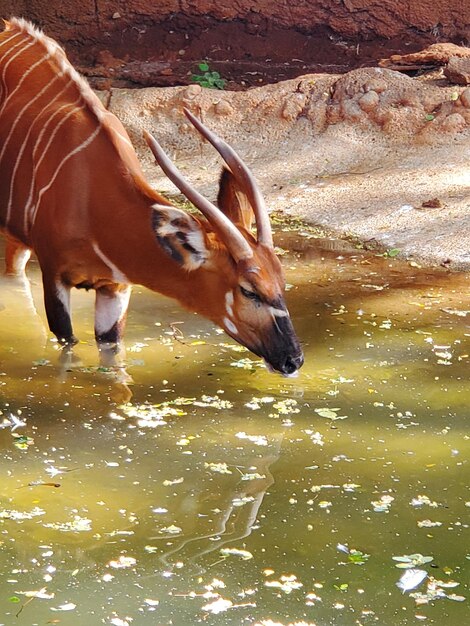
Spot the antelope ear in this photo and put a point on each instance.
(233, 201)
(181, 236)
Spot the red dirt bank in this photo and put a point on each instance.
(144, 42)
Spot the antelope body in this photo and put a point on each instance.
(72, 190)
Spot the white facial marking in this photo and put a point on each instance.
(117, 275)
(110, 309)
(246, 285)
(229, 299)
(230, 326)
(292, 375)
(278, 312)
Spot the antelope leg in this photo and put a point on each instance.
(57, 303)
(110, 312)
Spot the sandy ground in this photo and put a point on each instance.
(360, 155)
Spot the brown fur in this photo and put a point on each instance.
(72, 190)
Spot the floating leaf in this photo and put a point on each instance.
(329, 413)
(326, 412)
(423, 501)
(77, 525)
(171, 530)
(435, 591)
(39, 593)
(218, 606)
(412, 560)
(350, 487)
(22, 442)
(253, 476)
(357, 557)
(259, 440)
(240, 501)
(411, 579)
(21, 515)
(383, 505)
(354, 556)
(123, 562)
(68, 606)
(243, 554)
(286, 583)
(218, 468)
(117, 621)
(176, 481)
(427, 523)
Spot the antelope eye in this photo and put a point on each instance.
(250, 294)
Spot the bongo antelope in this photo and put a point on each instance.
(72, 190)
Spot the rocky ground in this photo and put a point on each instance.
(372, 154)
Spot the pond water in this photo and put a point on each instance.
(219, 493)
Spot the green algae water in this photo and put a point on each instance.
(188, 485)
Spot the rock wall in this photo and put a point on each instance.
(373, 153)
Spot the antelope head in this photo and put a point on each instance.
(240, 276)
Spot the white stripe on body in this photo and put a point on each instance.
(28, 36)
(72, 153)
(15, 123)
(20, 154)
(21, 81)
(28, 208)
(25, 46)
(117, 275)
(6, 41)
(55, 51)
(116, 132)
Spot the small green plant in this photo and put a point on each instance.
(357, 557)
(208, 78)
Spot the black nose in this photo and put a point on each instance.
(292, 364)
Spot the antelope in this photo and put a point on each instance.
(72, 190)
